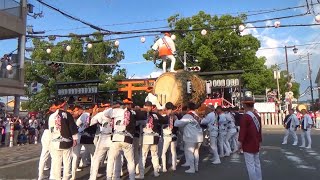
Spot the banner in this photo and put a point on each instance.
(265, 107)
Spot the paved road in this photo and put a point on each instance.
(278, 162)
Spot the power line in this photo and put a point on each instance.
(72, 17)
(169, 30)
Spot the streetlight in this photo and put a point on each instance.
(289, 85)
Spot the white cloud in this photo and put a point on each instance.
(249, 30)
(154, 74)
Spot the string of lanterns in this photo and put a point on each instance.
(203, 32)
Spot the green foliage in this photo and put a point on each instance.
(102, 52)
(223, 49)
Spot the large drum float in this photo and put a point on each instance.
(172, 87)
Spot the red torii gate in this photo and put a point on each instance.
(130, 85)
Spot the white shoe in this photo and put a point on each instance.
(185, 165)
(227, 154)
(191, 171)
(216, 162)
(309, 147)
(139, 176)
(173, 168)
(78, 169)
(294, 144)
(221, 156)
(164, 170)
(46, 168)
(302, 146)
(156, 174)
(284, 143)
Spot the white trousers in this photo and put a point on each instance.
(192, 154)
(253, 166)
(59, 157)
(137, 154)
(306, 134)
(45, 154)
(164, 64)
(99, 154)
(229, 138)
(114, 155)
(167, 141)
(75, 159)
(153, 148)
(222, 145)
(214, 148)
(294, 135)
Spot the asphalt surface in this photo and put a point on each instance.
(278, 162)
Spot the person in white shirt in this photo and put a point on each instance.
(223, 123)
(166, 48)
(152, 98)
(306, 125)
(83, 122)
(104, 141)
(231, 132)
(169, 133)
(291, 122)
(211, 122)
(192, 136)
(123, 124)
(150, 140)
(64, 136)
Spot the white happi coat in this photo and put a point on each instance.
(104, 119)
(294, 122)
(211, 121)
(192, 132)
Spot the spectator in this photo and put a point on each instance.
(16, 127)
(7, 123)
(4, 62)
(1, 131)
(22, 138)
(32, 130)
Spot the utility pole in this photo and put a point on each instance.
(185, 60)
(276, 75)
(310, 73)
(295, 50)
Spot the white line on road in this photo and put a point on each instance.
(296, 160)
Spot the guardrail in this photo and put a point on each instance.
(11, 6)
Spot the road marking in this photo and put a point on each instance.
(18, 163)
(299, 163)
(235, 158)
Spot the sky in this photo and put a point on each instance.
(107, 13)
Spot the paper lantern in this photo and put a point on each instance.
(317, 18)
(241, 28)
(143, 39)
(277, 24)
(68, 48)
(89, 46)
(204, 32)
(173, 37)
(116, 43)
(48, 50)
(9, 67)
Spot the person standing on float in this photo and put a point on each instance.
(166, 49)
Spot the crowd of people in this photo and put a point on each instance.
(125, 132)
(25, 130)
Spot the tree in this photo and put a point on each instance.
(102, 52)
(221, 49)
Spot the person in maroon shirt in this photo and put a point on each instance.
(250, 139)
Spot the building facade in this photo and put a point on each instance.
(12, 26)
